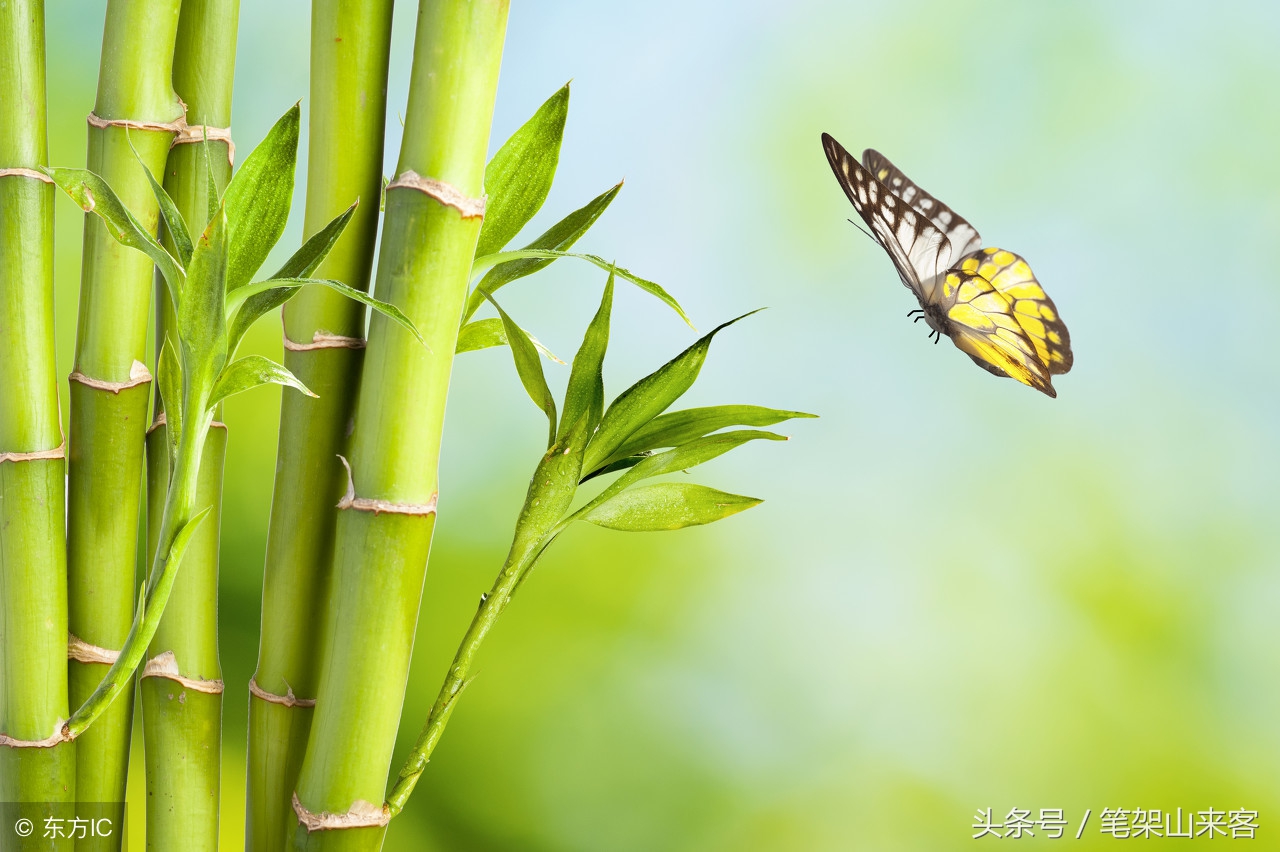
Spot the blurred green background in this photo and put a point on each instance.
(959, 594)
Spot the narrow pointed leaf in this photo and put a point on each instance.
(559, 237)
(301, 265)
(211, 200)
(585, 393)
(481, 334)
(486, 333)
(679, 427)
(313, 252)
(682, 458)
(650, 287)
(666, 506)
(529, 368)
(169, 379)
(258, 199)
(250, 372)
(648, 398)
(173, 221)
(93, 195)
(238, 303)
(202, 325)
(519, 176)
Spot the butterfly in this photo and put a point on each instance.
(985, 299)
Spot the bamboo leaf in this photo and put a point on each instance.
(681, 458)
(511, 258)
(558, 237)
(169, 379)
(173, 220)
(283, 288)
(202, 325)
(529, 368)
(519, 176)
(258, 199)
(250, 372)
(585, 393)
(666, 506)
(93, 195)
(679, 427)
(648, 398)
(211, 199)
(302, 264)
(481, 334)
(313, 252)
(485, 333)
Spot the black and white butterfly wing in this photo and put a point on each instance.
(916, 245)
(963, 236)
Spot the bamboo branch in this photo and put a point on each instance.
(180, 687)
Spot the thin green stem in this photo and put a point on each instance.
(179, 514)
(456, 679)
(182, 722)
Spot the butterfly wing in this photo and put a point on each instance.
(962, 236)
(1032, 308)
(917, 247)
(983, 324)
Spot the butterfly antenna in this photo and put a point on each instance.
(862, 229)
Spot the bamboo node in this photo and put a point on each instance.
(166, 666)
(324, 340)
(138, 375)
(85, 652)
(192, 133)
(446, 194)
(368, 504)
(287, 700)
(58, 737)
(30, 173)
(58, 452)
(361, 814)
(98, 121)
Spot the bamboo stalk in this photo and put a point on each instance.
(388, 515)
(350, 47)
(136, 109)
(35, 766)
(181, 685)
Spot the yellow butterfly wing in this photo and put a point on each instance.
(983, 324)
(1034, 311)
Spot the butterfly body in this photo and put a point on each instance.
(986, 300)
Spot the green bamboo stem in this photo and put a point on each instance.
(384, 530)
(350, 48)
(109, 385)
(181, 686)
(35, 766)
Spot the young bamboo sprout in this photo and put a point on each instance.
(588, 442)
(180, 688)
